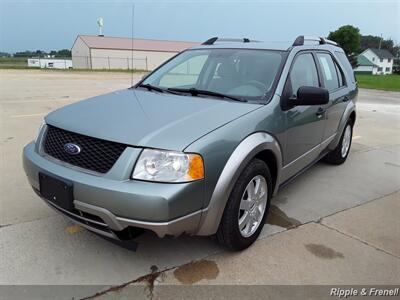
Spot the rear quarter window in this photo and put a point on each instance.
(329, 72)
(341, 56)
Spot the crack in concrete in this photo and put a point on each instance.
(148, 279)
(373, 148)
(391, 164)
(360, 240)
(5, 225)
(56, 215)
(360, 204)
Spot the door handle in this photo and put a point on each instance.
(320, 112)
(346, 98)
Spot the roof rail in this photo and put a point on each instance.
(212, 40)
(299, 41)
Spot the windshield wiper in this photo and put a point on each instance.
(195, 92)
(150, 87)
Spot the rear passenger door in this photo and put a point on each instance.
(333, 80)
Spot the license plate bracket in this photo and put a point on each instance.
(57, 191)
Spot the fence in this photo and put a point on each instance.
(80, 62)
(109, 63)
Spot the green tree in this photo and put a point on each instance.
(348, 37)
(63, 53)
(372, 41)
(5, 54)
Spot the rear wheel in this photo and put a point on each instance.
(340, 153)
(247, 207)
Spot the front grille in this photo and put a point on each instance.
(95, 155)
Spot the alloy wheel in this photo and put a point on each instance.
(252, 206)
(346, 141)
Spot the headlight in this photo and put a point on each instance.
(168, 166)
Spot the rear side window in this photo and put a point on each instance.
(329, 72)
(340, 75)
(303, 73)
(341, 56)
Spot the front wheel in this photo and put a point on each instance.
(340, 153)
(247, 207)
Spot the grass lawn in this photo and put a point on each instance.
(379, 82)
(13, 62)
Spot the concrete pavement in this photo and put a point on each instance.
(358, 246)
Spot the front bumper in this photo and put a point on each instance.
(112, 202)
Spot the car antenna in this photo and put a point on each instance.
(133, 28)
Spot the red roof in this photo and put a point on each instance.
(108, 42)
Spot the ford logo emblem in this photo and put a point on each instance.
(72, 149)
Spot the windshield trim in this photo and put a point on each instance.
(263, 99)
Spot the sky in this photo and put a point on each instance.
(54, 25)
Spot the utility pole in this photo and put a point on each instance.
(380, 42)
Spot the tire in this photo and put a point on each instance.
(337, 156)
(229, 234)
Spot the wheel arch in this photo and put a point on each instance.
(353, 117)
(260, 145)
(269, 157)
(349, 114)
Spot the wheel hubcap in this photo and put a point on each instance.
(346, 141)
(252, 206)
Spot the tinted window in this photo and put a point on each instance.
(328, 71)
(303, 73)
(346, 64)
(340, 75)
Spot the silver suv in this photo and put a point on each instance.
(201, 144)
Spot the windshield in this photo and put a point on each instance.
(241, 73)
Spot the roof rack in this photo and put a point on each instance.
(299, 41)
(212, 40)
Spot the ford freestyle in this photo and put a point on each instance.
(201, 144)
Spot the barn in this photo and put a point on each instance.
(106, 52)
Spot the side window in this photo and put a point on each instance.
(340, 75)
(329, 73)
(303, 73)
(346, 64)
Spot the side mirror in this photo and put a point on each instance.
(310, 95)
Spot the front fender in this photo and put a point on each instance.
(240, 157)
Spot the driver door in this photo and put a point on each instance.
(305, 123)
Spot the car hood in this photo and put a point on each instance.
(148, 119)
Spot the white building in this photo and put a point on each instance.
(365, 66)
(50, 63)
(101, 52)
(382, 58)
